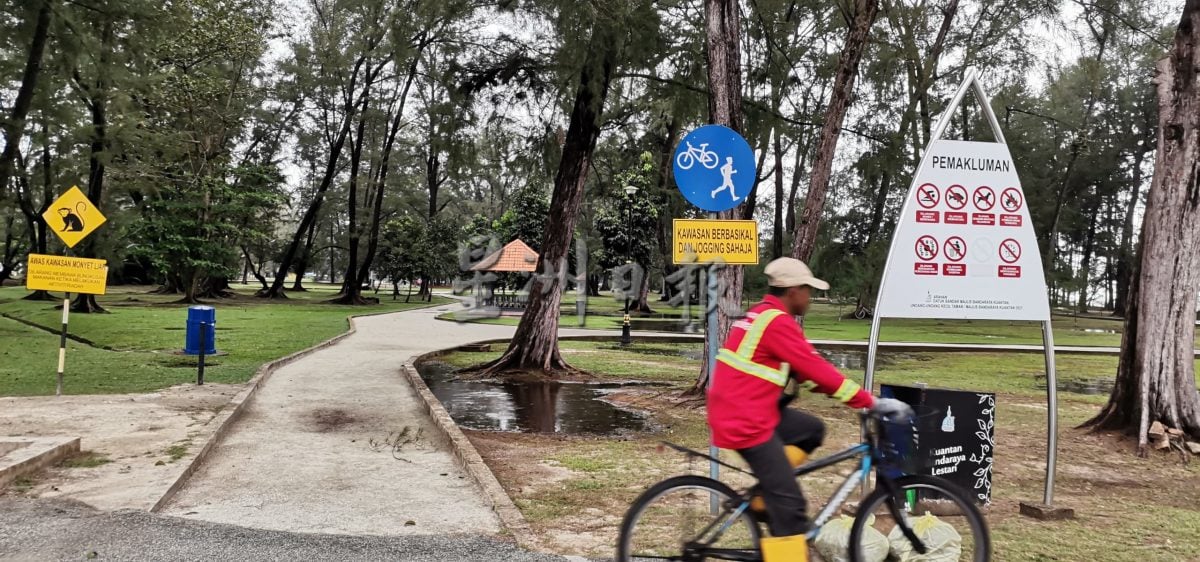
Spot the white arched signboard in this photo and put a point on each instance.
(964, 247)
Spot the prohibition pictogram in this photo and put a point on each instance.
(1011, 200)
(955, 248)
(956, 197)
(928, 196)
(927, 247)
(984, 198)
(1010, 251)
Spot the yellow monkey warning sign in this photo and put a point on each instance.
(72, 217)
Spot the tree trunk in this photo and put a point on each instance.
(1156, 376)
(723, 53)
(801, 159)
(14, 127)
(331, 170)
(352, 288)
(1085, 265)
(35, 226)
(535, 343)
(380, 184)
(305, 258)
(1125, 255)
(666, 149)
(257, 271)
(1049, 238)
(777, 232)
(642, 304)
(835, 113)
(98, 104)
(12, 250)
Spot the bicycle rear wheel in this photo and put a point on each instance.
(959, 531)
(673, 521)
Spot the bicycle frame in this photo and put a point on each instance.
(865, 452)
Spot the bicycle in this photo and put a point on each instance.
(733, 530)
(706, 158)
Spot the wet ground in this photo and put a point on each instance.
(529, 407)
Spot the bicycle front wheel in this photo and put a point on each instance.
(943, 516)
(673, 520)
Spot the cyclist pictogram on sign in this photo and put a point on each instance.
(984, 198)
(1011, 200)
(928, 196)
(927, 247)
(956, 197)
(1010, 251)
(956, 248)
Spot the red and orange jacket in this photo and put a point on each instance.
(753, 366)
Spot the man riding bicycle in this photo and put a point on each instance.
(762, 351)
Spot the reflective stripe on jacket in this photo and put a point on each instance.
(752, 368)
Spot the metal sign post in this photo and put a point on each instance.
(957, 249)
(72, 217)
(714, 168)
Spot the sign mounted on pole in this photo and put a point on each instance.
(70, 275)
(975, 249)
(982, 284)
(72, 217)
(714, 168)
(731, 242)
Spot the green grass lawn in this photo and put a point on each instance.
(1129, 508)
(826, 321)
(133, 348)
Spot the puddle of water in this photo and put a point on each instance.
(546, 407)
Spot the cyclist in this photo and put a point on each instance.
(762, 351)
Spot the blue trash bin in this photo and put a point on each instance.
(201, 318)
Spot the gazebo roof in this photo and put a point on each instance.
(514, 256)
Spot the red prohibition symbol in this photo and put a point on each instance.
(1011, 200)
(928, 196)
(1010, 251)
(956, 197)
(956, 248)
(927, 247)
(984, 198)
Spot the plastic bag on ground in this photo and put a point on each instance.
(833, 542)
(942, 542)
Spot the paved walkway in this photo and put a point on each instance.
(317, 450)
(45, 530)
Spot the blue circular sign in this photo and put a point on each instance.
(714, 168)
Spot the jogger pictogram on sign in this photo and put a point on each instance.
(928, 196)
(1010, 251)
(927, 247)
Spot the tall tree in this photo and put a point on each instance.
(858, 28)
(13, 126)
(1156, 378)
(535, 343)
(723, 54)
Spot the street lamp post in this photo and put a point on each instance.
(630, 191)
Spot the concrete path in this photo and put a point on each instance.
(45, 530)
(327, 444)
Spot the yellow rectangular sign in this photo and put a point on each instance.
(733, 242)
(71, 275)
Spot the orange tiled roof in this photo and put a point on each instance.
(514, 256)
